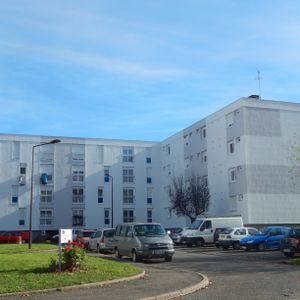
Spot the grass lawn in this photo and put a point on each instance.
(25, 271)
(16, 248)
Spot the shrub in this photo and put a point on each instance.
(73, 257)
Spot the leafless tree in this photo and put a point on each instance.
(188, 198)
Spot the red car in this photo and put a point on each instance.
(14, 237)
(83, 236)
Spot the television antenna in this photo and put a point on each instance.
(258, 79)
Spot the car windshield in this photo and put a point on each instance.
(196, 224)
(294, 232)
(148, 229)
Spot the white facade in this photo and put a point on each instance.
(242, 151)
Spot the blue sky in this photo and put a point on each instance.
(139, 69)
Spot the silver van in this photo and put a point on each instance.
(143, 241)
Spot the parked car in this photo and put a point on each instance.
(83, 236)
(231, 237)
(14, 237)
(218, 231)
(55, 239)
(102, 240)
(175, 234)
(269, 238)
(143, 241)
(290, 244)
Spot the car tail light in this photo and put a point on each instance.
(297, 241)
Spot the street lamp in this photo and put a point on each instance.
(31, 188)
(107, 176)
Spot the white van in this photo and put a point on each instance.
(202, 230)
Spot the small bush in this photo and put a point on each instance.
(73, 258)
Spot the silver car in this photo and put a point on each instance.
(102, 240)
(143, 241)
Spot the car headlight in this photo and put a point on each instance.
(171, 245)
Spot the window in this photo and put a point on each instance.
(78, 153)
(78, 175)
(149, 195)
(77, 216)
(204, 156)
(46, 195)
(46, 217)
(23, 170)
(241, 231)
(203, 132)
(22, 214)
(128, 176)
(14, 194)
(229, 120)
(100, 195)
(232, 175)
(149, 180)
(15, 150)
(106, 216)
(233, 203)
(128, 196)
(106, 174)
(100, 154)
(206, 225)
(78, 195)
(231, 147)
(128, 215)
(148, 160)
(149, 215)
(128, 154)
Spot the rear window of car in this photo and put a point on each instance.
(109, 233)
(227, 230)
(87, 233)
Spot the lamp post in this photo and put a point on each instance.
(107, 176)
(31, 188)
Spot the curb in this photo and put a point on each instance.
(182, 292)
(80, 286)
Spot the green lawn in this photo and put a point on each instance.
(16, 248)
(25, 271)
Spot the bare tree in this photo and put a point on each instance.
(188, 198)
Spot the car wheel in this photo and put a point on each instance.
(117, 253)
(89, 247)
(236, 246)
(225, 247)
(217, 246)
(134, 256)
(200, 243)
(189, 244)
(289, 254)
(261, 247)
(247, 249)
(168, 258)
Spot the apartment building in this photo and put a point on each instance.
(242, 152)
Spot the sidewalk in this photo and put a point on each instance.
(157, 281)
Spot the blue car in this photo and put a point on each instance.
(269, 238)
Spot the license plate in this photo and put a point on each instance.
(158, 252)
(286, 250)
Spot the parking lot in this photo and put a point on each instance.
(240, 274)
